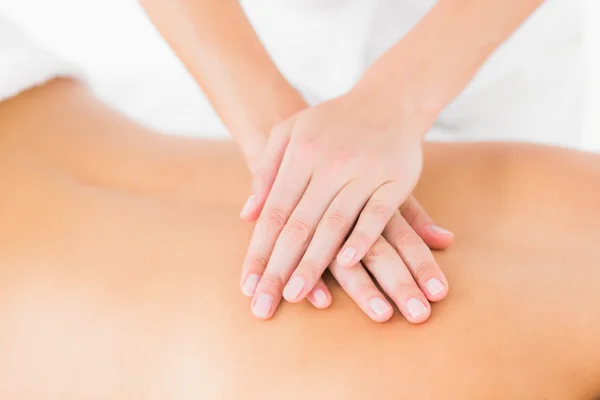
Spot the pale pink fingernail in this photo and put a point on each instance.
(320, 296)
(415, 307)
(262, 306)
(434, 286)
(250, 285)
(379, 306)
(248, 206)
(440, 230)
(346, 255)
(293, 288)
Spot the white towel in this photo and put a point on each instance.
(24, 64)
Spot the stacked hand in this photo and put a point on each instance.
(332, 189)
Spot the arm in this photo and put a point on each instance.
(442, 53)
(362, 157)
(217, 44)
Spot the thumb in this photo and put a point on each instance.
(265, 173)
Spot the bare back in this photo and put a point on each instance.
(120, 254)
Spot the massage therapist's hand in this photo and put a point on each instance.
(352, 157)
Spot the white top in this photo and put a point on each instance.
(24, 64)
(322, 46)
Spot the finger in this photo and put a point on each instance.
(433, 235)
(334, 225)
(266, 172)
(372, 220)
(320, 296)
(395, 279)
(287, 190)
(293, 242)
(357, 283)
(417, 257)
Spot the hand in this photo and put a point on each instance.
(403, 266)
(397, 260)
(361, 157)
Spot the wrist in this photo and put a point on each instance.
(408, 105)
(282, 102)
(250, 128)
(272, 102)
(434, 62)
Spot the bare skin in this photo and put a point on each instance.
(353, 160)
(119, 263)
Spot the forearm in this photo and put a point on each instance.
(429, 67)
(221, 50)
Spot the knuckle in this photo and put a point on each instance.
(341, 159)
(336, 221)
(298, 231)
(423, 269)
(379, 209)
(311, 269)
(359, 240)
(271, 283)
(364, 287)
(275, 218)
(378, 250)
(257, 263)
(406, 238)
(402, 290)
(355, 285)
(305, 145)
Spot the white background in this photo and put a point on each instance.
(113, 41)
(592, 125)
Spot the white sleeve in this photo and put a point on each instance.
(24, 64)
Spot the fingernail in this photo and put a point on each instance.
(439, 229)
(434, 286)
(293, 288)
(346, 255)
(262, 306)
(416, 308)
(248, 206)
(320, 296)
(250, 285)
(379, 306)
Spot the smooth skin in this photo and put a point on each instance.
(337, 173)
(343, 167)
(221, 50)
(334, 175)
(119, 274)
